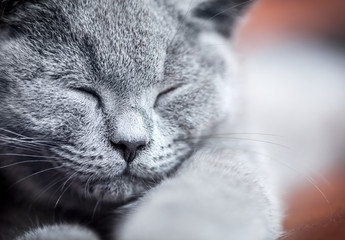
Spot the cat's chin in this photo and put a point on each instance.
(120, 189)
(129, 184)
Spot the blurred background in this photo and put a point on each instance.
(314, 211)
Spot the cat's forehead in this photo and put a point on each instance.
(123, 23)
(127, 39)
(120, 43)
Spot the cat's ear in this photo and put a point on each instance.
(18, 15)
(17, 10)
(221, 13)
(9, 6)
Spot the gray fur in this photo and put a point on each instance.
(126, 53)
(80, 77)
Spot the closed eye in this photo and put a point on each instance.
(89, 92)
(166, 92)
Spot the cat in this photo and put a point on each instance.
(101, 101)
(119, 121)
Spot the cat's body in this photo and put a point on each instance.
(103, 100)
(291, 131)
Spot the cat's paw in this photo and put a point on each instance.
(59, 232)
(201, 229)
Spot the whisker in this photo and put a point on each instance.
(234, 138)
(23, 162)
(95, 209)
(44, 190)
(245, 133)
(306, 177)
(23, 137)
(28, 142)
(87, 185)
(58, 200)
(179, 27)
(270, 135)
(70, 177)
(229, 9)
(21, 147)
(196, 50)
(255, 133)
(11, 132)
(27, 155)
(34, 174)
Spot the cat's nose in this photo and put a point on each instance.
(130, 149)
(130, 136)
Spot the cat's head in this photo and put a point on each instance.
(109, 96)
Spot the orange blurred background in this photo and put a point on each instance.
(309, 215)
(267, 20)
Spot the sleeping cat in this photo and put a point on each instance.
(101, 101)
(112, 124)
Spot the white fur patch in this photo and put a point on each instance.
(60, 232)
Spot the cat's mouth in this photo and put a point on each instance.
(120, 189)
(120, 182)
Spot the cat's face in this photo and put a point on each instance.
(114, 94)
